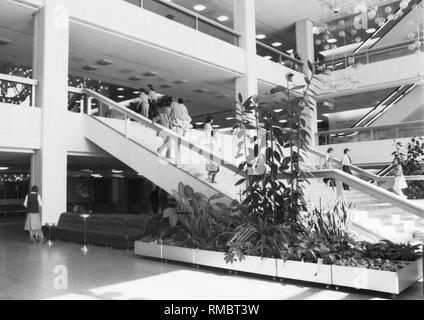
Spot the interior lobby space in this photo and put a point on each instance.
(170, 149)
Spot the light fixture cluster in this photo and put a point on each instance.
(22, 177)
(361, 21)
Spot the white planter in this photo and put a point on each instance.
(178, 254)
(304, 271)
(256, 265)
(211, 259)
(382, 281)
(151, 250)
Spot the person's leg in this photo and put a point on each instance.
(31, 236)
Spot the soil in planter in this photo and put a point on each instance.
(373, 264)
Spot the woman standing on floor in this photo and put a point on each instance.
(211, 167)
(346, 163)
(400, 181)
(143, 105)
(33, 203)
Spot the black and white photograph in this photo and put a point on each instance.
(214, 157)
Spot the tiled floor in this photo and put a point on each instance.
(27, 271)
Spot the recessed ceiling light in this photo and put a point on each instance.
(283, 121)
(277, 44)
(260, 36)
(199, 7)
(181, 82)
(121, 97)
(222, 18)
(150, 74)
(90, 67)
(268, 57)
(229, 118)
(200, 90)
(120, 89)
(4, 168)
(136, 92)
(136, 78)
(319, 120)
(104, 62)
(117, 171)
(4, 42)
(216, 126)
(370, 30)
(332, 40)
(166, 86)
(199, 123)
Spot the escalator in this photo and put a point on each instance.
(385, 106)
(390, 32)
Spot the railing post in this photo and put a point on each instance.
(197, 23)
(89, 101)
(82, 105)
(339, 190)
(371, 135)
(127, 126)
(33, 95)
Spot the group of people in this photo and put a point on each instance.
(329, 164)
(399, 178)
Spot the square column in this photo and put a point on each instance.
(50, 65)
(245, 23)
(306, 50)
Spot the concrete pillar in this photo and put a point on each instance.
(245, 23)
(51, 50)
(306, 50)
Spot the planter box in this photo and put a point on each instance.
(382, 281)
(304, 271)
(151, 250)
(178, 254)
(256, 265)
(359, 278)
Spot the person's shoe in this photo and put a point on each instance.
(31, 240)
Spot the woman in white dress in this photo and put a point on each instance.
(400, 181)
(143, 105)
(211, 167)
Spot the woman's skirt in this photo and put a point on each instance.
(400, 183)
(33, 222)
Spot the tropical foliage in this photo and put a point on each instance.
(273, 219)
(411, 156)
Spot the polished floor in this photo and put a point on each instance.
(63, 271)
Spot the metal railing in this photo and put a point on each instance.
(191, 19)
(373, 133)
(367, 188)
(279, 56)
(17, 90)
(381, 53)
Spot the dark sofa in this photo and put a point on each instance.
(111, 230)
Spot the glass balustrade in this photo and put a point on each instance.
(382, 53)
(279, 57)
(395, 131)
(190, 19)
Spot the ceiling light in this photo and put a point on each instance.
(121, 97)
(117, 171)
(97, 176)
(120, 89)
(332, 40)
(199, 123)
(136, 92)
(199, 7)
(90, 67)
(136, 78)
(4, 42)
(216, 126)
(260, 36)
(320, 120)
(283, 121)
(268, 57)
(150, 74)
(370, 30)
(277, 44)
(104, 62)
(229, 118)
(4, 168)
(222, 18)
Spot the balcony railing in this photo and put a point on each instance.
(190, 19)
(386, 132)
(17, 90)
(279, 57)
(382, 53)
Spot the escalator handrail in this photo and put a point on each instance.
(157, 127)
(372, 190)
